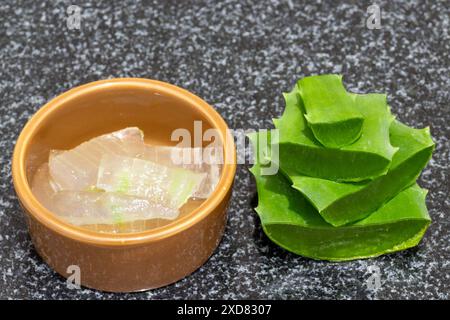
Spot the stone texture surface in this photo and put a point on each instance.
(239, 56)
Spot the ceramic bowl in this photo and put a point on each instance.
(122, 262)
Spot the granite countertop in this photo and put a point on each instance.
(238, 56)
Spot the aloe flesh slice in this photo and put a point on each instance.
(76, 169)
(108, 180)
(43, 186)
(199, 160)
(93, 208)
(342, 203)
(290, 221)
(330, 110)
(169, 187)
(369, 157)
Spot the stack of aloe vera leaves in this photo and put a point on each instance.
(346, 185)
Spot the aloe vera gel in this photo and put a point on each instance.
(116, 182)
(341, 198)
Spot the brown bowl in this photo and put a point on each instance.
(129, 261)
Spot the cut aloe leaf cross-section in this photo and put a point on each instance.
(290, 221)
(169, 187)
(367, 158)
(330, 110)
(342, 203)
(76, 169)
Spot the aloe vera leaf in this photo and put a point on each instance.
(369, 157)
(330, 110)
(76, 169)
(169, 187)
(342, 203)
(290, 221)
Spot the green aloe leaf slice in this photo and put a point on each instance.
(342, 203)
(330, 110)
(290, 221)
(369, 157)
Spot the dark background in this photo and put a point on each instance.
(239, 56)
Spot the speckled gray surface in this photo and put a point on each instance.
(239, 56)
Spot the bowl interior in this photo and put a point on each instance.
(74, 118)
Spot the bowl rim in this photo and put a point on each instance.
(47, 218)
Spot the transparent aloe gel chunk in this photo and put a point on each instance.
(342, 203)
(168, 187)
(330, 110)
(290, 221)
(95, 208)
(43, 186)
(76, 169)
(367, 158)
(207, 160)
